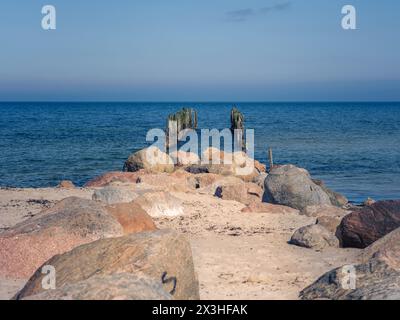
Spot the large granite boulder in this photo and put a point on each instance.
(330, 223)
(314, 237)
(202, 180)
(160, 204)
(163, 256)
(325, 210)
(293, 187)
(151, 159)
(119, 286)
(182, 158)
(132, 217)
(386, 248)
(115, 194)
(376, 278)
(328, 216)
(70, 223)
(363, 227)
(240, 191)
(114, 176)
(178, 181)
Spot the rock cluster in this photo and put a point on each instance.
(375, 228)
(377, 278)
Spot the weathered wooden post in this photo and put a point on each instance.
(185, 119)
(271, 160)
(237, 123)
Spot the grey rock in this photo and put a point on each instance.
(336, 198)
(113, 195)
(314, 237)
(260, 179)
(377, 277)
(375, 280)
(291, 186)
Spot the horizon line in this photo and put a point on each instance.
(200, 101)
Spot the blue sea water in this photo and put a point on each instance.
(353, 147)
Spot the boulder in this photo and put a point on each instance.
(114, 194)
(151, 159)
(66, 184)
(245, 167)
(260, 179)
(202, 180)
(327, 216)
(232, 188)
(386, 248)
(160, 204)
(70, 223)
(163, 256)
(330, 223)
(120, 286)
(115, 176)
(182, 158)
(374, 280)
(238, 164)
(361, 228)
(336, 198)
(177, 181)
(314, 237)
(132, 217)
(261, 168)
(325, 210)
(291, 186)
(213, 155)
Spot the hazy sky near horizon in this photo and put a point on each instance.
(208, 50)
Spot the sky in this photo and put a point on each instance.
(204, 50)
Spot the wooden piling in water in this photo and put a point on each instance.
(271, 160)
(237, 122)
(185, 119)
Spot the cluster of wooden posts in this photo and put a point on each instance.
(187, 118)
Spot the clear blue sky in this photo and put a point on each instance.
(204, 50)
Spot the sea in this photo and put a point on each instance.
(353, 147)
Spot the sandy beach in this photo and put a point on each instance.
(237, 255)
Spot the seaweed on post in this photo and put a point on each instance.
(185, 119)
(237, 123)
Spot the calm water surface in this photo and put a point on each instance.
(353, 147)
